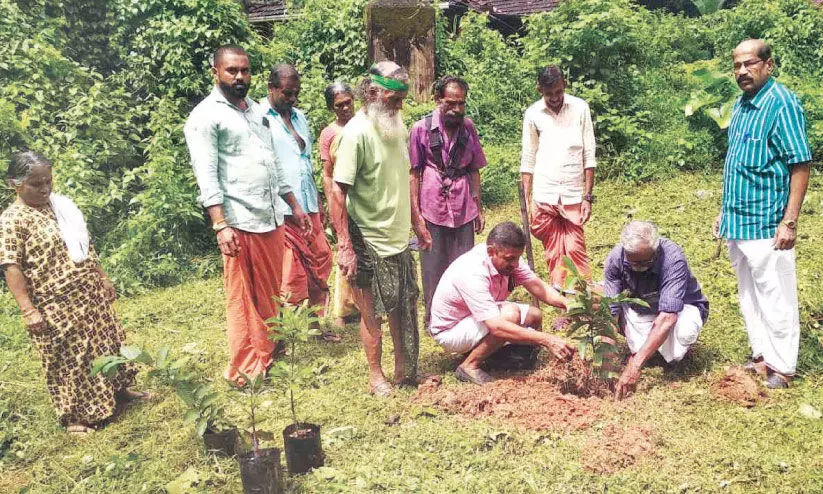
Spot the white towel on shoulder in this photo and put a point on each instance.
(72, 226)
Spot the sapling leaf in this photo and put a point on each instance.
(201, 427)
(162, 357)
(130, 352)
(583, 349)
(191, 416)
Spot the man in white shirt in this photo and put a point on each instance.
(557, 171)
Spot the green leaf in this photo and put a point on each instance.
(191, 416)
(130, 352)
(186, 483)
(583, 349)
(162, 356)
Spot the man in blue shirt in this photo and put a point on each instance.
(306, 258)
(653, 269)
(764, 180)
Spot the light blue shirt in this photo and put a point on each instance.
(767, 136)
(296, 163)
(231, 153)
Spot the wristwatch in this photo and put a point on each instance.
(790, 224)
(589, 197)
(219, 225)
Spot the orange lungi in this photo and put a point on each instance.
(251, 279)
(306, 263)
(559, 228)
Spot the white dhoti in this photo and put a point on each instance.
(767, 291)
(681, 337)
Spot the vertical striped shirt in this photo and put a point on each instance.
(766, 136)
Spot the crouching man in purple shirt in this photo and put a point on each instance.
(655, 270)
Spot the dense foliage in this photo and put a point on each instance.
(103, 89)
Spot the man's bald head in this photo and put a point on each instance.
(763, 49)
(753, 65)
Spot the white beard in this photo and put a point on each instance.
(389, 123)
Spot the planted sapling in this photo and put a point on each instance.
(592, 324)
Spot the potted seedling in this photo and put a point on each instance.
(205, 407)
(293, 327)
(260, 469)
(592, 324)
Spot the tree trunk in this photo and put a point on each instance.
(403, 31)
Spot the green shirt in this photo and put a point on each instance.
(766, 136)
(377, 173)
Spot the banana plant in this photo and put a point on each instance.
(592, 324)
(715, 97)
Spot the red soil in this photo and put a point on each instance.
(738, 386)
(536, 401)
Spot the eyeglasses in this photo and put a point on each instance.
(748, 63)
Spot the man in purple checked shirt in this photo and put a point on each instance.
(655, 270)
(446, 159)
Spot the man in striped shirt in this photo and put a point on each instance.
(764, 180)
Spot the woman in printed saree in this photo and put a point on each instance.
(66, 300)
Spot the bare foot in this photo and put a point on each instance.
(79, 430)
(381, 389)
(132, 395)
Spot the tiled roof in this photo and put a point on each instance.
(265, 10)
(509, 7)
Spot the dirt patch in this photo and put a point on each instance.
(616, 448)
(536, 401)
(739, 386)
(575, 377)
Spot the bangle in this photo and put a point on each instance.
(29, 312)
(220, 225)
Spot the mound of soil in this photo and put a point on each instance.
(739, 386)
(537, 401)
(575, 377)
(616, 448)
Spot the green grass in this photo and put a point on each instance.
(702, 443)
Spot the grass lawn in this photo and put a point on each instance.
(700, 442)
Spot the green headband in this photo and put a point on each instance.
(388, 83)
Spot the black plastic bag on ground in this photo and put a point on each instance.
(512, 357)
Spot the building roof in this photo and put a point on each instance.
(508, 7)
(266, 10)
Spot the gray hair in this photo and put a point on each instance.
(333, 89)
(638, 235)
(22, 163)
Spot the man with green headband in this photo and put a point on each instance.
(371, 212)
